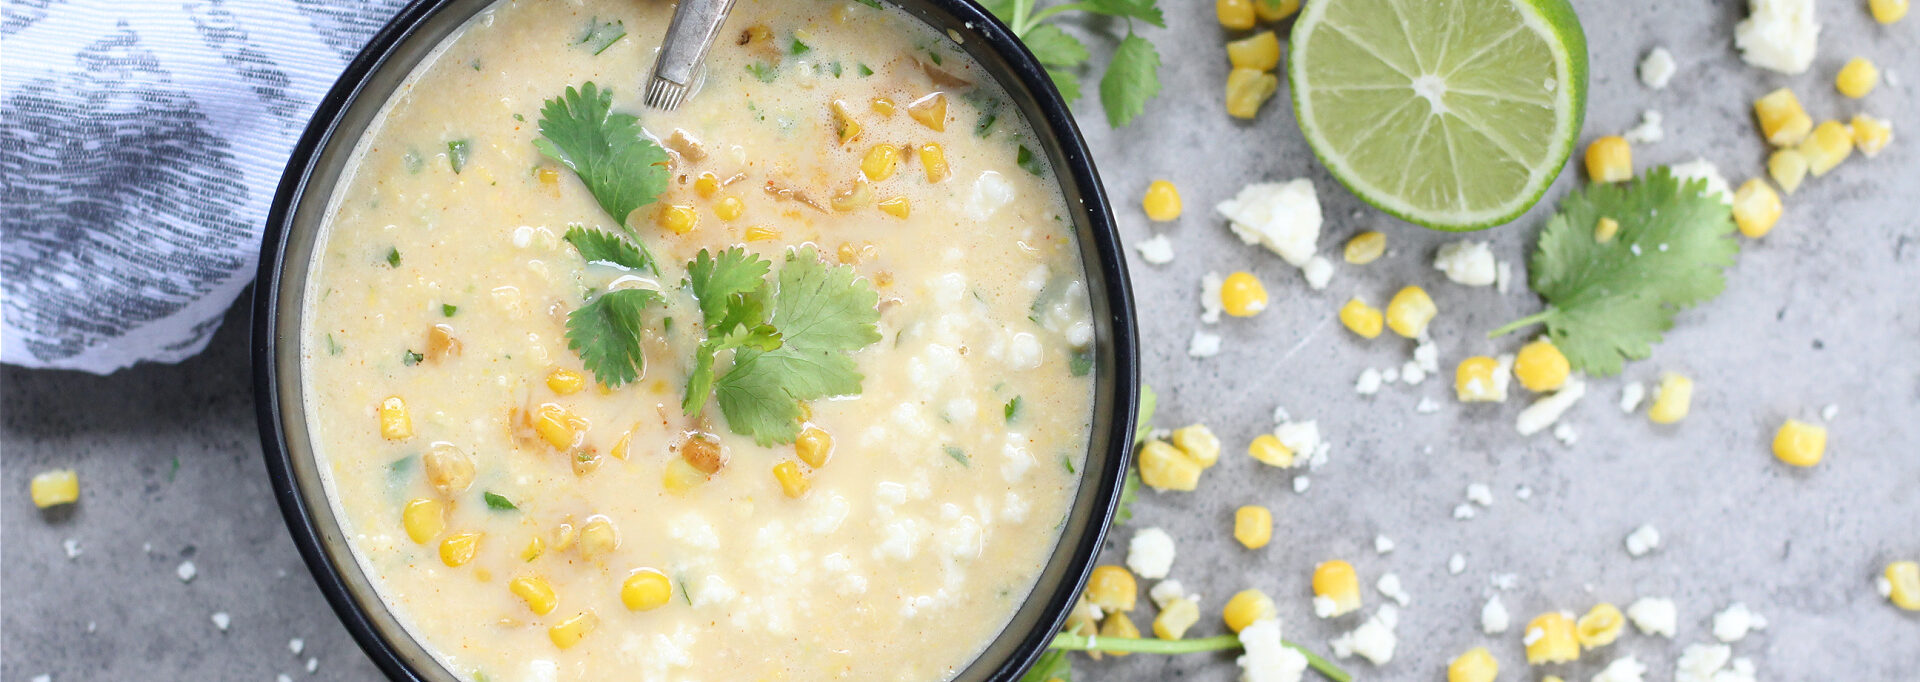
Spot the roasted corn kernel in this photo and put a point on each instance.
(1857, 78)
(934, 158)
(1600, 626)
(423, 518)
(458, 548)
(1903, 583)
(598, 537)
(536, 592)
(813, 446)
(884, 106)
(705, 185)
(1830, 143)
(930, 111)
(1246, 608)
(677, 218)
(1782, 121)
(1476, 665)
(879, 162)
(897, 207)
(1799, 443)
(1260, 51)
(447, 468)
(394, 422)
(1475, 380)
(729, 207)
(1672, 399)
(1199, 444)
(1253, 526)
(846, 127)
(1605, 229)
(792, 483)
(1361, 318)
(1247, 89)
(49, 488)
(1165, 467)
(1550, 639)
(1112, 588)
(1268, 449)
(1409, 312)
(1275, 10)
(1755, 208)
(1870, 134)
(535, 547)
(1242, 295)
(569, 632)
(1887, 11)
(1173, 620)
(1236, 15)
(559, 427)
(1365, 247)
(1610, 159)
(565, 381)
(760, 233)
(1336, 589)
(1788, 167)
(1162, 201)
(1541, 367)
(646, 590)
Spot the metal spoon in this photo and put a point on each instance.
(695, 24)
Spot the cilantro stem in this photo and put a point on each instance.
(1510, 327)
(1149, 645)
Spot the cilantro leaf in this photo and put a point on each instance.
(1132, 78)
(600, 246)
(600, 36)
(1144, 10)
(609, 152)
(1144, 422)
(824, 308)
(1012, 409)
(761, 394)
(1129, 492)
(457, 153)
(498, 502)
(1053, 47)
(1067, 82)
(1612, 301)
(1053, 666)
(715, 279)
(732, 291)
(958, 455)
(606, 334)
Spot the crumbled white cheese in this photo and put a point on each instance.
(1210, 304)
(694, 531)
(1644, 539)
(1829, 412)
(1426, 405)
(1657, 68)
(1883, 586)
(1373, 640)
(1166, 591)
(1503, 581)
(1547, 410)
(283, 677)
(1464, 511)
(1204, 344)
(1456, 564)
(1778, 35)
(296, 645)
(1480, 494)
(1368, 383)
(313, 664)
(990, 193)
(1412, 373)
(186, 571)
(1390, 587)
(1702, 169)
(1622, 670)
(71, 547)
(1150, 553)
(1503, 281)
(1325, 607)
(1630, 396)
(1701, 662)
(42, 678)
(1157, 249)
(1654, 616)
(1265, 659)
(1318, 271)
(1301, 482)
(1467, 262)
(1565, 434)
(1427, 355)
(1733, 624)
(1494, 619)
(222, 620)
(1523, 493)
(1282, 216)
(1649, 130)
(1382, 544)
(1300, 437)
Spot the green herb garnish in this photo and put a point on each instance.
(1012, 409)
(599, 246)
(1129, 492)
(1028, 161)
(393, 256)
(865, 70)
(599, 36)
(175, 471)
(1143, 423)
(400, 469)
(798, 47)
(448, 309)
(334, 347)
(457, 151)
(1081, 363)
(763, 71)
(497, 502)
(1133, 74)
(410, 358)
(606, 333)
(411, 159)
(608, 151)
(958, 455)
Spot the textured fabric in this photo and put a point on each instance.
(140, 145)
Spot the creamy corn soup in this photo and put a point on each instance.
(869, 481)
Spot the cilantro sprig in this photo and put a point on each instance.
(608, 151)
(1611, 301)
(1133, 73)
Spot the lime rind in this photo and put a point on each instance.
(1385, 85)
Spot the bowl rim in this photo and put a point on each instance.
(1116, 359)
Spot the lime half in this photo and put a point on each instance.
(1454, 114)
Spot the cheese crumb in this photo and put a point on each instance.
(1630, 396)
(1701, 663)
(296, 645)
(1779, 35)
(1265, 658)
(1644, 539)
(1368, 383)
(186, 571)
(1565, 434)
(1210, 304)
(1494, 619)
(1702, 169)
(1464, 512)
(1456, 564)
(1284, 217)
(1390, 587)
(1649, 130)
(1467, 262)
(1657, 68)
(1829, 412)
(1167, 591)
(1654, 616)
(222, 620)
(1382, 544)
(1300, 483)
(1547, 410)
(1480, 494)
(1733, 624)
(1318, 271)
(71, 547)
(1622, 670)
(1373, 640)
(1157, 250)
(1150, 553)
(1204, 344)
(1503, 281)
(1427, 406)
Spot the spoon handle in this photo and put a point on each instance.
(695, 24)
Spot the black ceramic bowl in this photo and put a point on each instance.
(318, 163)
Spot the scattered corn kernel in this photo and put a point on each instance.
(884, 106)
(1242, 295)
(423, 518)
(565, 381)
(896, 207)
(934, 159)
(1173, 620)
(1830, 143)
(1237, 15)
(1782, 121)
(49, 488)
(458, 548)
(558, 427)
(844, 126)
(1887, 11)
(447, 468)
(535, 547)
(930, 111)
(1199, 444)
(1410, 311)
(880, 161)
(646, 590)
(570, 631)
(1550, 639)
(1541, 367)
(1755, 208)
(705, 185)
(598, 537)
(1275, 10)
(1162, 201)
(1247, 89)
(1474, 380)
(1672, 399)
(760, 233)
(1361, 318)
(1246, 608)
(1260, 51)
(394, 422)
(1268, 449)
(1253, 526)
(1365, 247)
(1788, 167)
(1799, 443)
(681, 477)
(728, 208)
(1336, 583)
(1857, 78)
(1903, 577)
(1605, 229)
(1165, 467)
(1476, 665)
(1870, 134)
(678, 219)
(813, 446)
(1119, 626)
(1610, 159)
(1600, 626)
(536, 592)
(1112, 588)
(792, 483)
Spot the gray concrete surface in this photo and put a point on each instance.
(1826, 310)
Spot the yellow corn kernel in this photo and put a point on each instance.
(1260, 51)
(1242, 295)
(934, 158)
(792, 483)
(535, 547)
(565, 381)
(1365, 247)
(1755, 208)
(1247, 89)
(879, 162)
(1788, 167)
(678, 219)
(565, 534)
(1610, 159)
(1870, 134)
(458, 548)
(1600, 626)
(1235, 15)
(1782, 121)
(681, 477)
(1361, 318)
(813, 446)
(1336, 589)
(1857, 78)
(1672, 399)
(1253, 526)
(447, 468)
(1172, 622)
(598, 537)
(761, 233)
(930, 111)
(1410, 311)
(1550, 639)
(896, 207)
(1474, 380)
(536, 592)
(1118, 626)
(547, 176)
(49, 488)
(1199, 443)
(706, 185)
(570, 631)
(729, 207)
(884, 106)
(394, 422)
(1164, 467)
(1476, 665)
(1830, 143)
(1162, 201)
(1887, 11)
(1541, 367)
(646, 590)
(1799, 443)
(1903, 579)
(845, 126)
(1605, 229)
(1246, 608)
(423, 518)
(558, 427)
(1112, 588)
(1268, 449)
(1275, 10)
